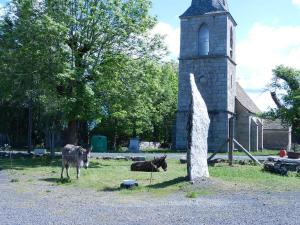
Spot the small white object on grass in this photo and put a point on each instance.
(129, 184)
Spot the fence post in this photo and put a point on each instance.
(231, 143)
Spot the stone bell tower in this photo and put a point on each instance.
(207, 50)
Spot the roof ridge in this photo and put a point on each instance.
(201, 7)
(245, 100)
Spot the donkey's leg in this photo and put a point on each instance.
(78, 172)
(67, 168)
(62, 171)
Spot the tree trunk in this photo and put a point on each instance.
(29, 137)
(115, 140)
(52, 143)
(276, 100)
(134, 133)
(155, 133)
(83, 133)
(71, 137)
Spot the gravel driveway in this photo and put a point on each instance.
(43, 203)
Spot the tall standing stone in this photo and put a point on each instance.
(198, 127)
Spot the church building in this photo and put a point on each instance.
(208, 50)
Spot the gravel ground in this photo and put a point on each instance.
(43, 203)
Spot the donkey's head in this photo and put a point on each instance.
(85, 154)
(164, 164)
(161, 162)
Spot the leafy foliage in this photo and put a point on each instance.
(80, 62)
(142, 101)
(285, 91)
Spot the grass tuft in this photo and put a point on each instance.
(191, 195)
(198, 193)
(15, 180)
(64, 181)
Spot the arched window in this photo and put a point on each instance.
(203, 40)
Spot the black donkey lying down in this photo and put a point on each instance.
(150, 166)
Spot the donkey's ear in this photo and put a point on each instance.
(82, 150)
(165, 156)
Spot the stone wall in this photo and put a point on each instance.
(277, 139)
(242, 129)
(248, 129)
(254, 135)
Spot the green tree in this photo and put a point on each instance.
(100, 33)
(141, 102)
(285, 92)
(63, 55)
(31, 57)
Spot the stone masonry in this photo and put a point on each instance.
(215, 73)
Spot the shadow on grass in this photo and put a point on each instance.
(22, 163)
(110, 189)
(168, 183)
(13, 168)
(96, 165)
(57, 180)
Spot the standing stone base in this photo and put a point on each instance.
(218, 131)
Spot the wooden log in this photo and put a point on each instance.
(275, 168)
(282, 165)
(247, 153)
(231, 142)
(218, 151)
(212, 156)
(284, 160)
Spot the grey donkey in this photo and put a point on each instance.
(76, 156)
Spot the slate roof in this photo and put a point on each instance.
(274, 125)
(201, 7)
(245, 100)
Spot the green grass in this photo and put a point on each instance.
(107, 175)
(198, 193)
(162, 151)
(254, 177)
(238, 153)
(258, 153)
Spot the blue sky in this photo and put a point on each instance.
(268, 34)
(245, 12)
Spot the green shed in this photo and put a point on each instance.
(99, 143)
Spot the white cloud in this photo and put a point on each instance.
(258, 54)
(262, 99)
(172, 37)
(1, 9)
(264, 48)
(296, 2)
